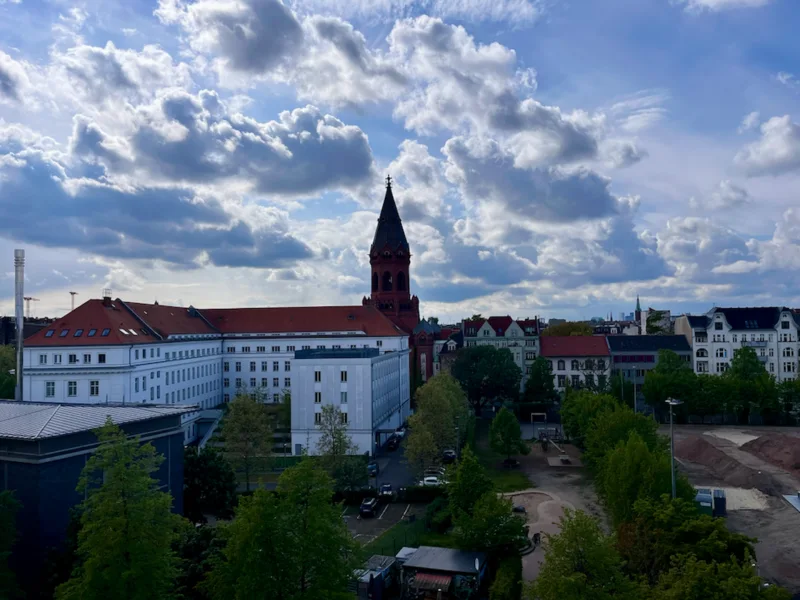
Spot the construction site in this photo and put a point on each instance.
(758, 468)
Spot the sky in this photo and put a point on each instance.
(549, 157)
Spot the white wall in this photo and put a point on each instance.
(569, 371)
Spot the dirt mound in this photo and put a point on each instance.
(698, 450)
(778, 449)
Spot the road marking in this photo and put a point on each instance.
(384, 511)
(405, 512)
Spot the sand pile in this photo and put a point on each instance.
(701, 451)
(778, 449)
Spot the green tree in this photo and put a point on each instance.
(433, 320)
(579, 409)
(9, 506)
(752, 386)
(441, 406)
(540, 388)
(492, 527)
(8, 362)
(292, 545)
(622, 389)
(421, 449)
(613, 426)
(127, 528)
(337, 452)
(581, 563)
(505, 435)
(468, 483)
(672, 377)
(197, 549)
(507, 584)
(568, 328)
(248, 435)
(487, 374)
(789, 398)
(654, 323)
(209, 484)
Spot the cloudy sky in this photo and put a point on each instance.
(551, 157)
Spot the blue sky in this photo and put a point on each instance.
(551, 157)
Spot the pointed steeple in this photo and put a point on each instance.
(390, 229)
(638, 306)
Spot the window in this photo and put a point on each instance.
(343, 417)
(574, 365)
(72, 388)
(226, 397)
(287, 365)
(702, 337)
(562, 381)
(601, 365)
(152, 374)
(231, 349)
(734, 337)
(317, 418)
(722, 367)
(252, 365)
(317, 397)
(530, 355)
(317, 375)
(287, 382)
(379, 343)
(343, 397)
(78, 333)
(264, 382)
(87, 358)
(261, 349)
(717, 326)
(73, 359)
(226, 366)
(576, 381)
(702, 366)
(238, 367)
(264, 366)
(49, 333)
(276, 398)
(309, 347)
(322, 347)
(275, 366)
(101, 358)
(152, 394)
(136, 384)
(275, 382)
(771, 367)
(144, 383)
(784, 324)
(153, 354)
(701, 353)
(226, 382)
(252, 382)
(343, 376)
(787, 352)
(50, 389)
(64, 333)
(276, 348)
(43, 359)
(772, 351)
(136, 354)
(290, 348)
(94, 388)
(588, 364)
(589, 379)
(56, 359)
(561, 365)
(238, 382)
(245, 348)
(722, 353)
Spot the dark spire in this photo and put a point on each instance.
(638, 307)
(390, 229)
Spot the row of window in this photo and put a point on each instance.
(634, 358)
(287, 366)
(259, 349)
(588, 381)
(589, 364)
(754, 337)
(318, 418)
(318, 397)
(287, 382)
(73, 359)
(72, 388)
(276, 398)
(246, 349)
(78, 333)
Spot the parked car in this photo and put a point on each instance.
(432, 480)
(372, 469)
(369, 507)
(449, 456)
(518, 509)
(386, 491)
(435, 471)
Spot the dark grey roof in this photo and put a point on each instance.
(433, 558)
(33, 421)
(648, 343)
(337, 353)
(427, 327)
(697, 321)
(757, 317)
(390, 229)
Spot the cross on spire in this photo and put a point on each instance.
(388, 182)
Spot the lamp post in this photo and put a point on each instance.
(672, 402)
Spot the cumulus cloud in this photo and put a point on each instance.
(750, 121)
(13, 79)
(726, 196)
(777, 151)
(419, 184)
(514, 11)
(619, 153)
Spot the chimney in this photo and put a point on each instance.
(107, 297)
(19, 293)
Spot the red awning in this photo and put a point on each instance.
(429, 581)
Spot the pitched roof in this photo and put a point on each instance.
(171, 320)
(390, 228)
(573, 345)
(500, 324)
(475, 324)
(697, 321)
(302, 319)
(757, 317)
(523, 323)
(34, 421)
(433, 558)
(648, 343)
(427, 327)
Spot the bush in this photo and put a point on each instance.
(437, 516)
(354, 497)
(421, 494)
(507, 584)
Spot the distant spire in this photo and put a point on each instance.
(388, 182)
(638, 306)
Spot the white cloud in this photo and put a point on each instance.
(776, 152)
(514, 11)
(719, 5)
(14, 82)
(618, 153)
(727, 196)
(639, 111)
(750, 121)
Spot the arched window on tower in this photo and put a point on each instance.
(401, 282)
(374, 282)
(387, 282)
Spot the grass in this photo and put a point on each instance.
(505, 480)
(407, 534)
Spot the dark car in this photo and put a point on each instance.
(368, 508)
(386, 491)
(518, 509)
(372, 469)
(449, 457)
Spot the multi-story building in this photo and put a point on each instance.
(521, 338)
(771, 331)
(617, 328)
(577, 360)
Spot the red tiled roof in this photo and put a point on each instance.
(573, 345)
(523, 323)
(302, 319)
(500, 324)
(170, 320)
(477, 324)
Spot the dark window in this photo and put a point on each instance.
(374, 282)
(49, 333)
(105, 332)
(78, 333)
(718, 326)
(101, 358)
(63, 333)
(387, 282)
(784, 324)
(401, 282)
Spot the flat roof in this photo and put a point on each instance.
(433, 558)
(322, 353)
(34, 421)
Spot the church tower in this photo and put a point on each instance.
(390, 264)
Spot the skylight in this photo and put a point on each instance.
(105, 332)
(133, 332)
(91, 332)
(63, 333)
(49, 333)
(123, 332)
(78, 333)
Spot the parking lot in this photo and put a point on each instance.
(367, 529)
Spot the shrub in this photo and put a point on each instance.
(437, 516)
(507, 584)
(421, 494)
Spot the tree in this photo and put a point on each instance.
(337, 451)
(8, 362)
(197, 549)
(433, 320)
(568, 328)
(292, 545)
(127, 528)
(9, 506)
(248, 435)
(540, 388)
(622, 389)
(443, 409)
(209, 484)
(505, 435)
(487, 373)
(581, 563)
(476, 317)
(492, 527)
(507, 584)
(613, 426)
(672, 377)
(578, 410)
(421, 449)
(655, 325)
(469, 483)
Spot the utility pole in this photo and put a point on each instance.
(672, 402)
(73, 294)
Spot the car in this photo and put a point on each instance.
(369, 507)
(434, 472)
(386, 491)
(372, 469)
(432, 481)
(518, 509)
(449, 456)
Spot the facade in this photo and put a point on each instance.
(664, 323)
(369, 388)
(633, 356)
(617, 328)
(521, 338)
(577, 360)
(43, 449)
(771, 331)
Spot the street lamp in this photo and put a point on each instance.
(672, 402)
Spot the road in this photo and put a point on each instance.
(393, 468)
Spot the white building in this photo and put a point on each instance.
(369, 388)
(577, 360)
(771, 331)
(110, 351)
(521, 338)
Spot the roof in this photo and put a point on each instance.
(524, 323)
(697, 321)
(433, 558)
(302, 319)
(431, 581)
(390, 228)
(648, 343)
(757, 317)
(322, 353)
(573, 345)
(171, 320)
(500, 324)
(34, 421)
(427, 327)
(475, 324)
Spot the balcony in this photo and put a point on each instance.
(754, 344)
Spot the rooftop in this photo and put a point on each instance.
(433, 558)
(756, 317)
(648, 343)
(389, 232)
(322, 353)
(34, 421)
(573, 345)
